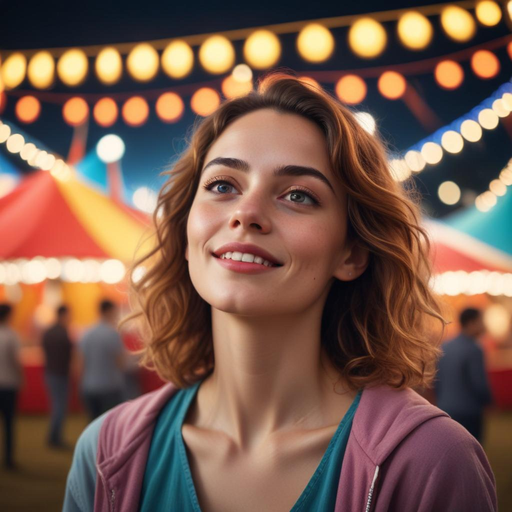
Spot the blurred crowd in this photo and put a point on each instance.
(106, 371)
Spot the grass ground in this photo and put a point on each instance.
(39, 483)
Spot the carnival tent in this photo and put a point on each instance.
(51, 217)
(454, 249)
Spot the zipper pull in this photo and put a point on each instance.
(112, 499)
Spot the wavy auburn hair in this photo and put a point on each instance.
(376, 329)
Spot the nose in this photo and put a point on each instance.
(251, 213)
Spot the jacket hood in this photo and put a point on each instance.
(386, 416)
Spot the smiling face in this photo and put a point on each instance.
(260, 185)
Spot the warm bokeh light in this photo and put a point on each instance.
(3, 99)
(506, 176)
(351, 89)
(13, 70)
(399, 169)
(497, 319)
(178, 59)
(242, 73)
(48, 163)
(485, 64)
(509, 45)
(449, 192)
(262, 49)
(5, 132)
(452, 141)
(500, 108)
(72, 67)
(15, 143)
(507, 101)
(75, 111)
(170, 107)
(28, 109)
(205, 101)
(145, 199)
(217, 54)
(366, 121)
(415, 161)
(498, 188)
(458, 23)
(28, 151)
(488, 13)
(315, 43)
(415, 30)
(135, 111)
(110, 148)
(488, 119)
(142, 62)
(392, 85)
(449, 74)
(367, 38)
(109, 66)
(41, 70)
(471, 130)
(105, 112)
(231, 88)
(432, 153)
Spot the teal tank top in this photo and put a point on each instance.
(168, 483)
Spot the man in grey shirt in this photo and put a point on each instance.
(461, 386)
(102, 361)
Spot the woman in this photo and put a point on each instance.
(287, 301)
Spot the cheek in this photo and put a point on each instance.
(315, 244)
(202, 222)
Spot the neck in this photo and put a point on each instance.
(270, 374)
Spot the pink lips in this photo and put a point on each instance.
(247, 248)
(244, 267)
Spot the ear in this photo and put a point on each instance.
(353, 263)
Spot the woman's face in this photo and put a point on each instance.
(241, 199)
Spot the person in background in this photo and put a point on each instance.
(461, 387)
(101, 361)
(57, 350)
(11, 380)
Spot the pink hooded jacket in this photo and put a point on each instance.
(403, 455)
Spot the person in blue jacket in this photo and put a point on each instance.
(461, 387)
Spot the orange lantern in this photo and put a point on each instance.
(169, 107)
(351, 89)
(232, 88)
(205, 101)
(75, 111)
(449, 74)
(135, 111)
(28, 109)
(392, 85)
(485, 64)
(105, 112)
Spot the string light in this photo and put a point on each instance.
(178, 59)
(262, 49)
(315, 43)
(367, 38)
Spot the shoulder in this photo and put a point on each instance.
(440, 466)
(133, 420)
(81, 481)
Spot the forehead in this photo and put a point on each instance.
(269, 138)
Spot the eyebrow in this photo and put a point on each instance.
(282, 170)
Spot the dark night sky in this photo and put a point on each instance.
(27, 25)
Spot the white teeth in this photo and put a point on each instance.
(246, 257)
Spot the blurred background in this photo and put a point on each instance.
(96, 100)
